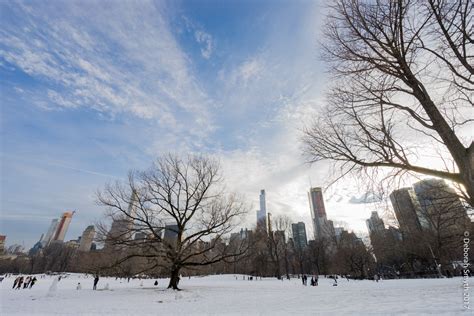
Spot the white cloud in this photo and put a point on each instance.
(249, 70)
(123, 59)
(204, 39)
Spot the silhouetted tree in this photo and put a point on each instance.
(185, 198)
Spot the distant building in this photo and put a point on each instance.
(87, 238)
(394, 233)
(72, 244)
(50, 233)
(132, 206)
(16, 249)
(63, 225)
(41, 238)
(262, 212)
(299, 235)
(269, 221)
(139, 236)
(35, 249)
(375, 224)
(322, 227)
(408, 211)
(331, 229)
(119, 231)
(234, 237)
(171, 232)
(279, 236)
(2, 244)
(350, 238)
(337, 233)
(123, 226)
(242, 235)
(156, 235)
(440, 203)
(245, 233)
(381, 238)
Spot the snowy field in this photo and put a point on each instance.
(226, 295)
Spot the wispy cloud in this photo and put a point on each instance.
(112, 57)
(203, 38)
(206, 41)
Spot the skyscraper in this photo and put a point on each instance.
(299, 235)
(50, 233)
(132, 206)
(322, 227)
(63, 225)
(119, 232)
(440, 203)
(408, 211)
(87, 238)
(375, 224)
(262, 213)
(123, 226)
(171, 232)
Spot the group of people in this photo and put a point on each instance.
(313, 282)
(21, 282)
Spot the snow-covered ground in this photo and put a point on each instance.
(231, 295)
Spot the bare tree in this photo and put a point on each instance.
(400, 68)
(447, 218)
(352, 257)
(185, 198)
(319, 254)
(277, 245)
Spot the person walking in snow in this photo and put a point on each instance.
(316, 281)
(15, 282)
(27, 282)
(79, 286)
(305, 279)
(20, 282)
(33, 281)
(96, 280)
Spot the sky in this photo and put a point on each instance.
(92, 89)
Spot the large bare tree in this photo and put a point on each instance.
(402, 89)
(185, 199)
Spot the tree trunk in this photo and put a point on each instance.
(468, 174)
(174, 280)
(287, 267)
(301, 266)
(277, 268)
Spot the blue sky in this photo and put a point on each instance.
(92, 89)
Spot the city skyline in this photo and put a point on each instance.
(313, 207)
